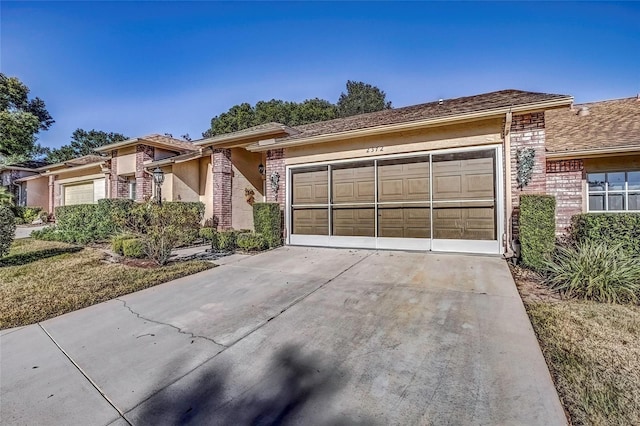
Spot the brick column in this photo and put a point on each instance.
(222, 188)
(275, 164)
(144, 181)
(527, 131)
(565, 182)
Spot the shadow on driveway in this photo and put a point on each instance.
(291, 383)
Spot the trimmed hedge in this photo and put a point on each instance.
(225, 241)
(251, 241)
(610, 228)
(537, 229)
(116, 242)
(267, 220)
(7, 229)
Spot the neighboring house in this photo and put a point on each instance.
(10, 174)
(443, 176)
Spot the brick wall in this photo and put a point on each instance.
(275, 164)
(113, 176)
(565, 182)
(144, 181)
(222, 175)
(527, 131)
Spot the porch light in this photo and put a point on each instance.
(261, 169)
(158, 178)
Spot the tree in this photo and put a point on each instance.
(243, 116)
(83, 143)
(361, 98)
(21, 119)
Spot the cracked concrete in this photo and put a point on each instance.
(295, 335)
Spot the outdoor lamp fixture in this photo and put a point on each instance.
(261, 169)
(158, 178)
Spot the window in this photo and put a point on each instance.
(614, 191)
(132, 189)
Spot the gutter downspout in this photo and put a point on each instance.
(507, 183)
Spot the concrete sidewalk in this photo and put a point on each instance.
(294, 335)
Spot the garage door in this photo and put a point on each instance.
(85, 192)
(434, 201)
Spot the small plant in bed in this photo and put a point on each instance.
(595, 271)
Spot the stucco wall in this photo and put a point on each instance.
(468, 134)
(38, 192)
(186, 181)
(206, 187)
(245, 175)
(126, 164)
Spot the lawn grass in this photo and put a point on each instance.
(593, 352)
(43, 279)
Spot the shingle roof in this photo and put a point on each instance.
(608, 125)
(266, 128)
(165, 141)
(448, 107)
(85, 159)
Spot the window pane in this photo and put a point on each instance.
(634, 201)
(596, 182)
(615, 181)
(353, 183)
(596, 203)
(310, 186)
(403, 180)
(311, 221)
(356, 222)
(633, 179)
(404, 221)
(616, 202)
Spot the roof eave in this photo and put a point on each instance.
(413, 125)
(244, 139)
(593, 153)
(73, 168)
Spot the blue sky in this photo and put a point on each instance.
(155, 67)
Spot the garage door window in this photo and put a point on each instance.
(310, 212)
(353, 199)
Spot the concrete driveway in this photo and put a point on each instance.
(293, 336)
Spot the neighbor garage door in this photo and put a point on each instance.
(84, 192)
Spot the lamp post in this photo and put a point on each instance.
(158, 178)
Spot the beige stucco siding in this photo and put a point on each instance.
(38, 192)
(206, 186)
(476, 133)
(612, 164)
(186, 181)
(126, 164)
(245, 176)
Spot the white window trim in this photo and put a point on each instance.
(625, 191)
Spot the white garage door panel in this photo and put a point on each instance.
(78, 194)
(99, 189)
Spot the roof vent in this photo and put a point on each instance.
(440, 101)
(583, 111)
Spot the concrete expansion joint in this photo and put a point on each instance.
(178, 329)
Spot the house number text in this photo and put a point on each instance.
(374, 149)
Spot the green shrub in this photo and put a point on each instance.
(596, 271)
(134, 247)
(537, 229)
(226, 240)
(267, 220)
(207, 233)
(163, 227)
(251, 241)
(116, 242)
(50, 233)
(7, 229)
(609, 228)
(26, 214)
